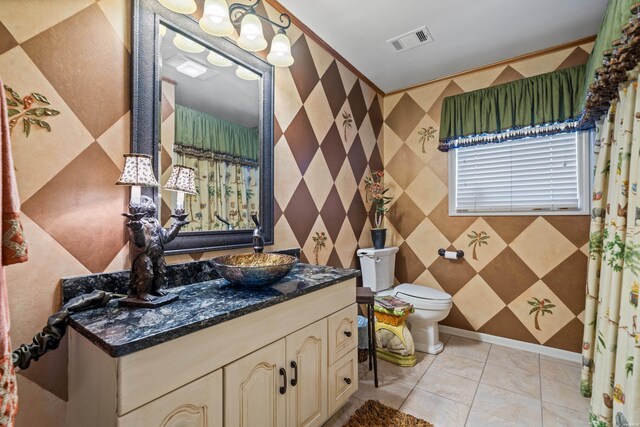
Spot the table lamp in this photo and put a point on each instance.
(182, 180)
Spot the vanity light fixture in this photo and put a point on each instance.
(191, 69)
(182, 180)
(245, 74)
(219, 60)
(219, 19)
(137, 173)
(187, 45)
(180, 6)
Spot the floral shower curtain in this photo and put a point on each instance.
(227, 189)
(611, 351)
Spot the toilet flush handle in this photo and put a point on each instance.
(376, 259)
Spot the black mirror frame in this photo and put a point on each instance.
(145, 114)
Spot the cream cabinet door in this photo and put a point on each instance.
(255, 389)
(197, 404)
(307, 366)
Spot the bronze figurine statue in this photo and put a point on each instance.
(146, 248)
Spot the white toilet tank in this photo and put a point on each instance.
(377, 267)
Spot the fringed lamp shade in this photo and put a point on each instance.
(137, 171)
(182, 179)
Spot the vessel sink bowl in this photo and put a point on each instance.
(254, 269)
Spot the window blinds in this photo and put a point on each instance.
(532, 174)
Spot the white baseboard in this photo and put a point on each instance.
(508, 342)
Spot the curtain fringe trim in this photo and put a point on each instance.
(618, 60)
(510, 134)
(210, 155)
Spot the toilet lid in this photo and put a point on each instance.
(422, 292)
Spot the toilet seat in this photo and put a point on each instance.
(422, 296)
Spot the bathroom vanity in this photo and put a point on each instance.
(221, 355)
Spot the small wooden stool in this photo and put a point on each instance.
(365, 295)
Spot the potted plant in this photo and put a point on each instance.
(376, 195)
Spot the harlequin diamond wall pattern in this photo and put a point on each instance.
(523, 277)
(74, 225)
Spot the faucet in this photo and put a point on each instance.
(258, 236)
(224, 221)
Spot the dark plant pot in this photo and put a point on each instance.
(379, 236)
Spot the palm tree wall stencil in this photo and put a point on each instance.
(477, 239)
(539, 306)
(319, 243)
(426, 134)
(347, 120)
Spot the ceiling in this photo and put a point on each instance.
(467, 33)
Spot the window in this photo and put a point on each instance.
(547, 175)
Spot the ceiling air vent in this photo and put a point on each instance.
(412, 39)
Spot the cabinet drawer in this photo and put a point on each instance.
(343, 332)
(196, 404)
(343, 380)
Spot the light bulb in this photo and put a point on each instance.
(215, 19)
(219, 60)
(280, 54)
(251, 37)
(180, 6)
(245, 74)
(187, 45)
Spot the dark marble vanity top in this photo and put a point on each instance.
(120, 331)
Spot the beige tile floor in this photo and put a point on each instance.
(477, 384)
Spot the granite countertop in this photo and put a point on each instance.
(120, 331)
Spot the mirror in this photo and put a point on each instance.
(201, 101)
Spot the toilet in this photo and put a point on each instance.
(430, 305)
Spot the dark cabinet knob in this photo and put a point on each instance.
(347, 333)
(347, 380)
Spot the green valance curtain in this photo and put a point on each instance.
(205, 136)
(614, 54)
(540, 105)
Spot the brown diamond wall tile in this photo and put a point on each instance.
(451, 90)
(166, 108)
(302, 140)
(358, 106)
(452, 275)
(6, 39)
(568, 281)
(375, 114)
(574, 228)
(578, 57)
(334, 259)
(165, 160)
(165, 213)
(375, 161)
(569, 337)
(301, 213)
(333, 213)
(457, 320)
(408, 265)
(87, 63)
(506, 324)
(357, 214)
(508, 275)
(80, 208)
(277, 211)
(357, 158)
(509, 227)
(303, 69)
(277, 130)
(405, 166)
(450, 226)
(333, 88)
(507, 75)
(405, 116)
(405, 215)
(333, 151)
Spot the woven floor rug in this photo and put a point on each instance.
(375, 414)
